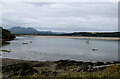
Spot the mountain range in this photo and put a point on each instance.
(30, 30)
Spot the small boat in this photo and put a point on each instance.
(6, 50)
(30, 41)
(95, 49)
(87, 42)
(24, 43)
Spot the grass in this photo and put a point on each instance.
(111, 72)
(0, 75)
(57, 71)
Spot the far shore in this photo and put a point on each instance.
(76, 37)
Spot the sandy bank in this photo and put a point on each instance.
(76, 37)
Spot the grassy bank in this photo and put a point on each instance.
(59, 69)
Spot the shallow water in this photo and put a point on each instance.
(52, 49)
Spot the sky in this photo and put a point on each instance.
(61, 16)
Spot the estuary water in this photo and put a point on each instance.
(53, 49)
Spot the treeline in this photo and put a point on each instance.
(6, 35)
(94, 34)
(88, 34)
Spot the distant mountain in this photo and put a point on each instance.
(32, 31)
(50, 33)
(22, 30)
(29, 31)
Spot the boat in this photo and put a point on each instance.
(95, 49)
(87, 42)
(6, 50)
(24, 43)
(30, 41)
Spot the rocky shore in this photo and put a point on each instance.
(13, 68)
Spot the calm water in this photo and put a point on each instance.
(51, 49)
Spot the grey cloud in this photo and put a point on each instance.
(62, 16)
(40, 3)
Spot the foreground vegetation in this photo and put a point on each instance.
(112, 71)
(59, 69)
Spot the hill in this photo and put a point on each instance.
(6, 35)
(94, 34)
(31, 31)
(21, 30)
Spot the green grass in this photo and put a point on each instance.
(112, 71)
(109, 73)
(0, 75)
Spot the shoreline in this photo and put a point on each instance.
(27, 60)
(76, 37)
(14, 68)
(9, 61)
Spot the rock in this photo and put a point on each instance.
(55, 73)
(116, 62)
(78, 69)
(86, 66)
(64, 64)
(99, 63)
(46, 73)
(40, 65)
(22, 69)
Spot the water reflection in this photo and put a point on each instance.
(4, 43)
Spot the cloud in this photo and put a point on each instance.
(62, 16)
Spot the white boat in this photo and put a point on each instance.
(95, 49)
